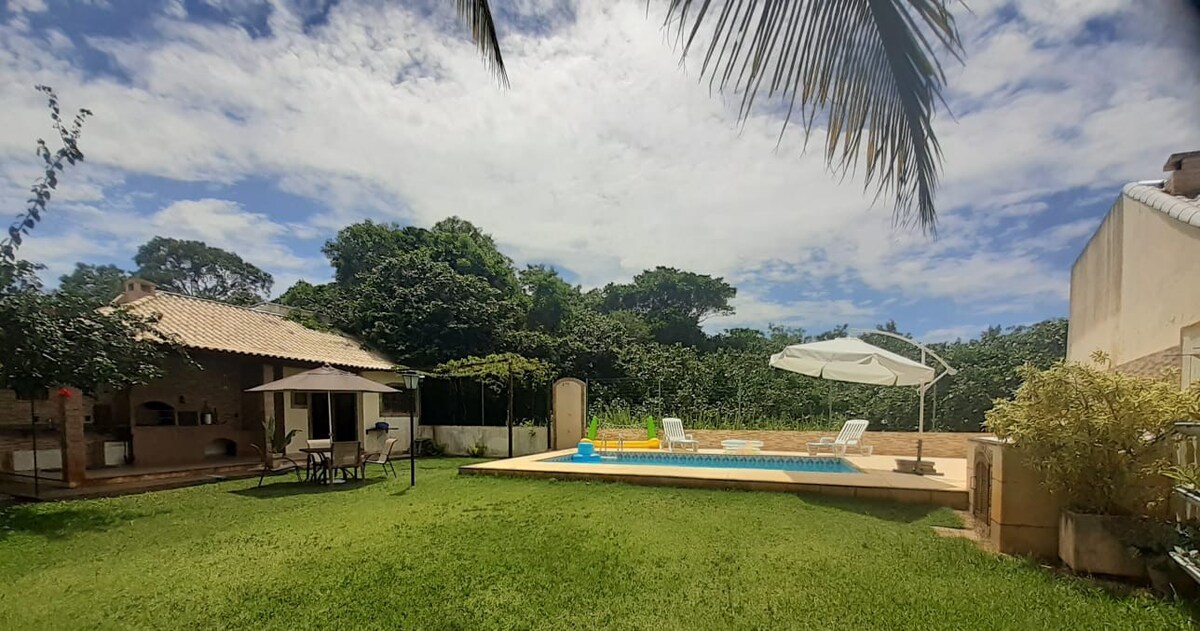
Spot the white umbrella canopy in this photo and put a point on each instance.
(851, 359)
(323, 379)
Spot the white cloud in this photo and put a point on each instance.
(754, 310)
(605, 158)
(115, 235)
(27, 6)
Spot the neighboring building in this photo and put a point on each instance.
(1135, 289)
(200, 415)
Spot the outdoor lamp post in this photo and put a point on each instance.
(412, 383)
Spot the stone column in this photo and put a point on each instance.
(74, 442)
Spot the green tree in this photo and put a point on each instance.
(97, 283)
(62, 339)
(988, 369)
(867, 69)
(315, 306)
(424, 312)
(359, 248)
(460, 244)
(196, 269)
(674, 303)
(551, 299)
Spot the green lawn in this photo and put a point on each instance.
(461, 552)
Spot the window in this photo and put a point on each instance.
(155, 413)
(299, 399)
(394, 403)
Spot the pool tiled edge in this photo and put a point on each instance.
(874, 482)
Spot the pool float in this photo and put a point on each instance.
(650, 442)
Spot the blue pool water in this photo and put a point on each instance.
(818, 464)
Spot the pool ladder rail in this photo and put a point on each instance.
(605, 453)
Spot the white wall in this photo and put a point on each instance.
(1132, 288)
(459, 439)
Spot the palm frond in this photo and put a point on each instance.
(867, 69)
(477, 15)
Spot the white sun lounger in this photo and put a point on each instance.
(850, 436)
(673, 432)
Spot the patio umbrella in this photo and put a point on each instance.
(325, 379)
(851, 359)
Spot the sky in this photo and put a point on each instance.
(263, 127)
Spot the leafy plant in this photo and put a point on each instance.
(278, 442)
(478, 450)
(44, 186)
(1098, 437)
(1187, 475)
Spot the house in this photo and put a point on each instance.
(1135, 289)
(199, 418)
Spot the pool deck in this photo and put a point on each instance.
(876, 481)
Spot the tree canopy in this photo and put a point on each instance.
(97, 283)
(195, 268)
(434, 296)
(674, 303)
(62, 339)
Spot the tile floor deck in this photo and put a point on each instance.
(876, 481)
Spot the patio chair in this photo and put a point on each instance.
(276, 465)
(316, 461)
(850, 436)
(346, 457)
(673, 431)
(382, 458)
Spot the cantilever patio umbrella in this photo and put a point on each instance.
(325, 379)
(851, 359)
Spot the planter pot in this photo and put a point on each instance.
(1086, 543)
(1170, 579)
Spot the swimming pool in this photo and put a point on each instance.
(817, 464)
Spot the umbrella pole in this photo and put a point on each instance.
(329, 406)
(921, 417)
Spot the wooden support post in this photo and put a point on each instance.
(71, 434)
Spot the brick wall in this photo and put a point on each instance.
(936, 445)
(216, 385)
(15, 412)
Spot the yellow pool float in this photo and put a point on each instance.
(651, 443)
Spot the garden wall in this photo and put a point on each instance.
(937, 444)
(459, 439)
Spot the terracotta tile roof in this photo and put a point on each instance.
(1184, 209)
(216, 326)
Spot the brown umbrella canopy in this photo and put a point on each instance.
(323, 379)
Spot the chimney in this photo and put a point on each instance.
(134, 289)
(1183, 174)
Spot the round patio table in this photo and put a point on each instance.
(734, 446)
(317, 457)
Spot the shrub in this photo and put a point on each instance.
(1098, 437)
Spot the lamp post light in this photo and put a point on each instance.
(412, 383)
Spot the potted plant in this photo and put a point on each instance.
(1099, 439)
(278, 443)
(1186, 553)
